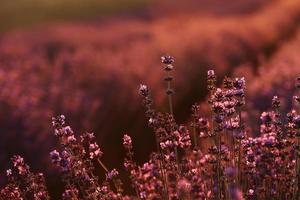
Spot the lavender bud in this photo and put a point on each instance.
(297, 121)
(59, 121)
(8, 172)
(112, 174)
(239, 83)
(298, 82)
(184, 186)
(95, 151)
(297, 99)
(71, 139)
(127, 142)
(20, 165)
(55, 157)
(143, 90)
(167, 59)
(275, 102)
(210, 73)
(266, 117)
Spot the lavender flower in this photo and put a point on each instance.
(167, 59)
(223, 162)
(127, 142)
(55, 157)
(112, 174)
(143, 90)
(95, 151)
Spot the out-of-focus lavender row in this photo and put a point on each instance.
(272, 79)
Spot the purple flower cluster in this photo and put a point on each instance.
(22, 183)
(209, 158)
(76, 163)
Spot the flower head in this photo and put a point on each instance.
(59, 121)
(127, 142)
(143, 90)
(167, 59)
(95, 151)
(20, 165)
(55, 157)
(112, 174)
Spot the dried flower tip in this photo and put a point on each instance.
(167, 59)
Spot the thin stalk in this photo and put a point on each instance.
(106, 170)
(219, 166)
(102, 165)
(297, 182)
(232, 153)
(135, 188)
(239, 164)
(239, 147)
(171, 104)
(227, 196)
(177, 160)
(297, 163)
(170, 95)
(73, 195)
(161, 165)
(217, 144)
(194, 134)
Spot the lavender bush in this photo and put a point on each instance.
(208, 158)
(76, 69)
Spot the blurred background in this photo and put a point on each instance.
(86, 58)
